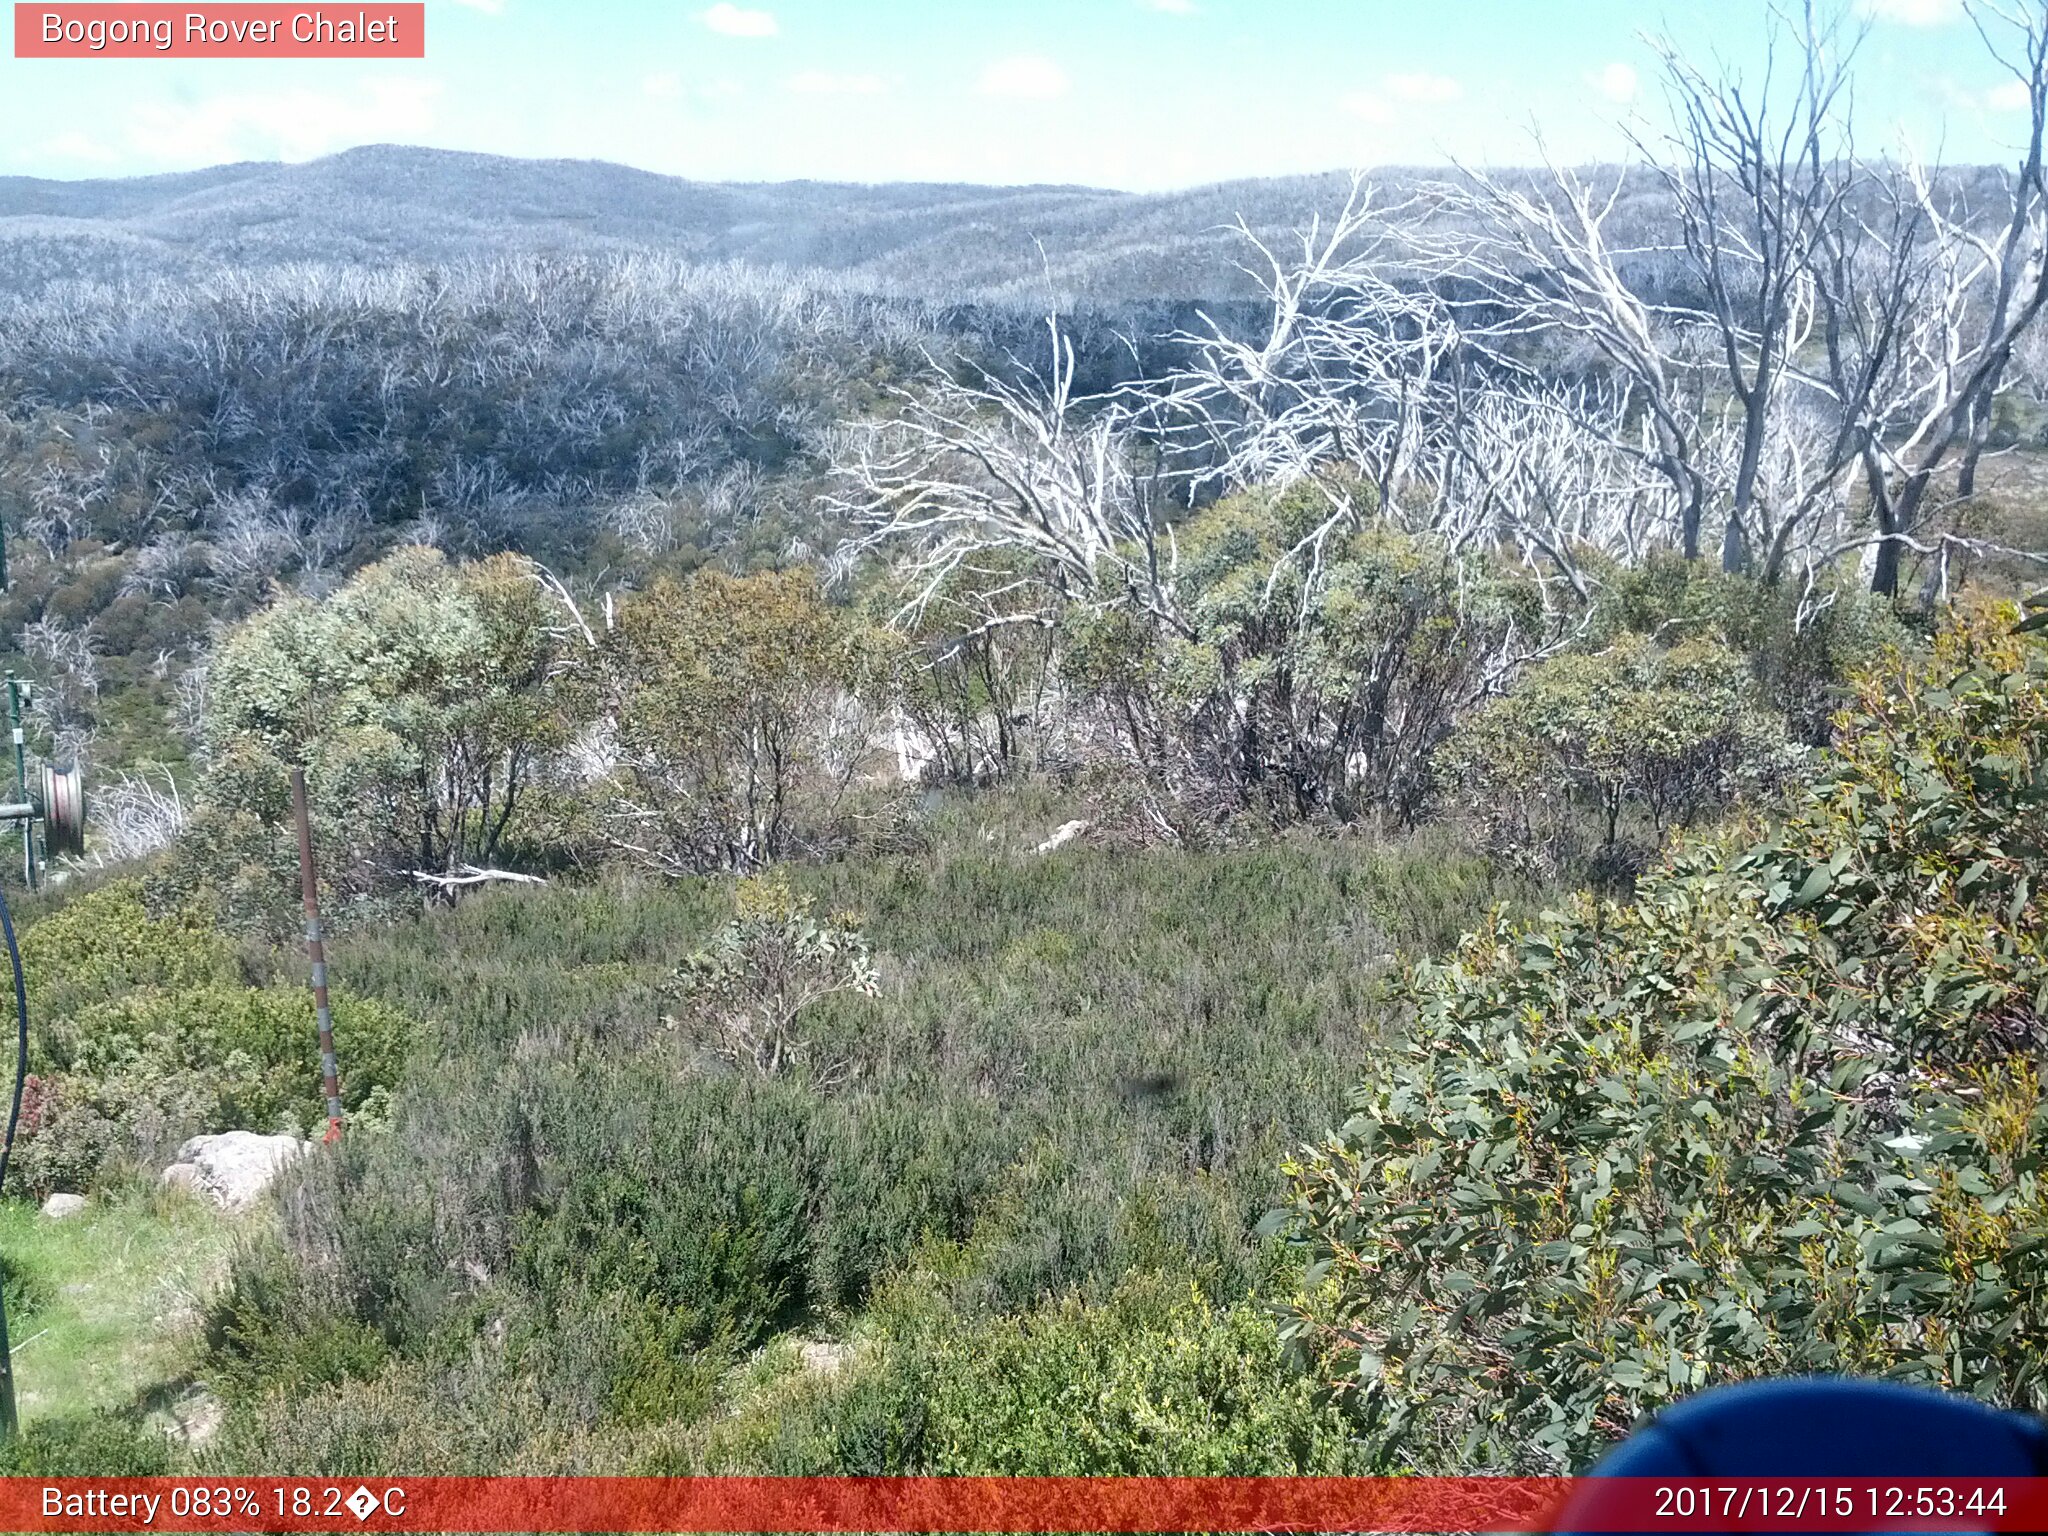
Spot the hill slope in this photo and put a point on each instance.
(386, 202)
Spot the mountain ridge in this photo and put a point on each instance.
(381, 203)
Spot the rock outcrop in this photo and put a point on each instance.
(234, 1168)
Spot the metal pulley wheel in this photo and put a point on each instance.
(63, 810)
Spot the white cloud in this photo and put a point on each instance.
(287, 125)
(823, 82)
(1026, 77)
(2012, 96)
(672, 85)
(1170, 7)
(1913, 13)
(1385, 101)
(1617, 82)
(1421, 87)
(733, 21)
(72, 146)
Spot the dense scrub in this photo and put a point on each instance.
(1154, 1380)
(1078, 1068)
(1293, 690)
(420, 703)
(1780, 1112)
(678, 656)
(816, 1172)
(148, 1030)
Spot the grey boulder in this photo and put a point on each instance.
(234, 1168)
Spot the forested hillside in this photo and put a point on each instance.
(1013, 245)
(391, 202)
(945, 861)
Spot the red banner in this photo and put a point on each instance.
(1018, 1504)
(239, 31)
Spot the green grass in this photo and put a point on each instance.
(1081, 1067)
(119, 1289)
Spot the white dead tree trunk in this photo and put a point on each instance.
(1539, 262)
(1536, 470)
(1757, 177)
(1347, 374)
(1854, 321)
(1024, 466)
(1984, 286)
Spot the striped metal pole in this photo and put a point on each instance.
(309, 891)
(28, 832)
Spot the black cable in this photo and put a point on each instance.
(8, 1420)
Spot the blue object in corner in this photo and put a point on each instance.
(1824, 1426)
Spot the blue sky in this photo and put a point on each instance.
(1143, 94)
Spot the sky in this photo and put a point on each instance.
(1137, 94)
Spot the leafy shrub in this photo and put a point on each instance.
(469, 1417)
(773, 961)
(144, 1033)
(1804, 648)
(1154, 1380)
(713, 1216)
(1086, 1065)
(252, 1343)
(89, 1128)
(420, 698)
(99, 1445)
(976, 670)
(619, 1359)
(732, 708)
(1587, 761)
(254, 1049)
(24, 1288)
(109, 942)
(1319, 673)
(1781, 1112)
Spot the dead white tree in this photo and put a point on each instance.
(1758, 177)
(558, 590)
(1545, 472)
(976, 462)
(66, 663)
(468, 875)
(1348, 372)
(1982, 283)
(252, 542)
(137, 815)
(1913, 299)
(62, 494)
(168, 566)
(1538, 261)
(1851, 322)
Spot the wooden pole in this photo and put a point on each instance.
(309, 891)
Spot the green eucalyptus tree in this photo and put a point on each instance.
(422, 700)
